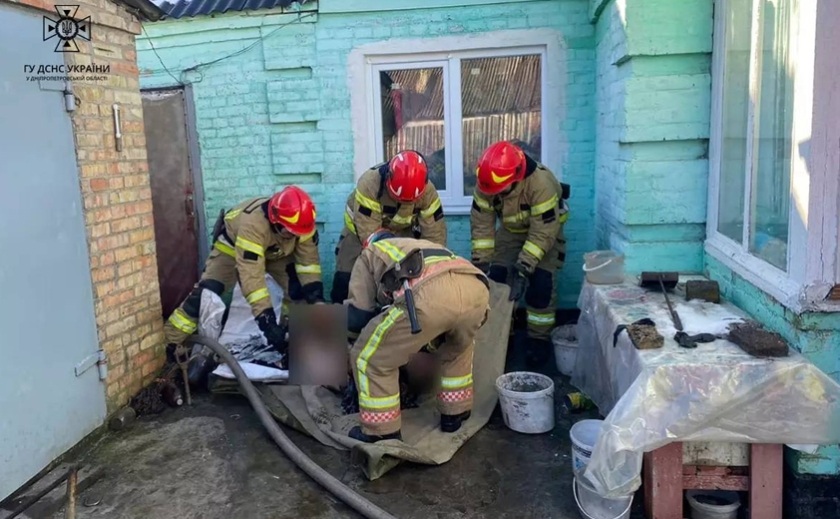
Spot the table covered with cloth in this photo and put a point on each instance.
(713, 393)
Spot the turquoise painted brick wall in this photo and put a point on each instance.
(653, 105)
(815, 335)
(279, 113)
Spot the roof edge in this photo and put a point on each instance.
(144, 9)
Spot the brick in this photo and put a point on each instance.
(99, 184)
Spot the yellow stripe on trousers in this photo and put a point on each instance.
(371, 346)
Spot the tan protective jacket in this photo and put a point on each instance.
(535, 208)
(367, 289)
(249, 237)
(370, 207)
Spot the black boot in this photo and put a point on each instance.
(170, 353)
(540, 357)
(517, 352)
(357, 434)
(449, 423)
(199, 368)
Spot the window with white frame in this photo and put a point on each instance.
(761, 126)
(450, 106)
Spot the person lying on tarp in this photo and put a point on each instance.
(404, 293)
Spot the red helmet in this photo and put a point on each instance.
(502, 164)
(293, 209)
(375, 236)
(408, 176)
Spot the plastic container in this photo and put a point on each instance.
(527, 401)
(713, 504)
(593, 506)
(584, 435)
(604, 267)
(565, 343)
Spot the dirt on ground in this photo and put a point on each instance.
(214, 460)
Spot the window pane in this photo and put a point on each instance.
(500, 100)
(770, 195)
(733, 144)
(412, 116)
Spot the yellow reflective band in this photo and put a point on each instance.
(249, 246)
(541, 319)
(372, 344)
(436, 259)
(521, 216)
(545, 206)
(380, 402)
(402, 220)
(308, 269)
(373, 205)
(564, 217)
(533, 249)
(257, 295)
(486, 243)
(426, 213)
(482, 203)
(456, 382)
(307, 237)
(233, 213)
(180, 320)
(224, 248)
(348, 221)
(392, 252)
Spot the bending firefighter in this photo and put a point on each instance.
(259, 236)
(397, 196)
(529, 246)
(404, 292)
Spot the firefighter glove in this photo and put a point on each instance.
(274, 333)
(519, 283)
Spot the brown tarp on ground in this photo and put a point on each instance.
(317, 412)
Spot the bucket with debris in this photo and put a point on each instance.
(713, 504)
(565, 343)
(527, 401)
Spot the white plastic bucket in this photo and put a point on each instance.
(565, 343)
(593, 506)
(584, 435)
(718, 504)
(527, 401)
(604, 267)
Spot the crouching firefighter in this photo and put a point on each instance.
(259, 236)
(424, 291)
(529, 246)
(396, 195)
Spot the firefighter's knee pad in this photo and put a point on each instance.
(540, 288)
(341, 287)
(193, 302)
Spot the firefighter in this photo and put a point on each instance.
(449, 298)
(529, 246)
(259, 236)
(396, 195)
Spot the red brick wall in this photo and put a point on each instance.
(118, 200)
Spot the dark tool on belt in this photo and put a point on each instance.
(666, 281)
(398, 277)
(690, 341)
(219, 226)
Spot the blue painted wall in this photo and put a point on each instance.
(653, 108)
(279, 112)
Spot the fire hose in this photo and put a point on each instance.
(312, 469)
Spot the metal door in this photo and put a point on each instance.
(47, 323)
(175, 199)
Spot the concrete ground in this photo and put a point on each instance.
(214, 460)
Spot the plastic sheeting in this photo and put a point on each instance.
(715, 392)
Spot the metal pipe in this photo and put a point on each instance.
(322, 477)
(72, 479)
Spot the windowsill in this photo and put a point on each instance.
(455, 208)
(774, 282)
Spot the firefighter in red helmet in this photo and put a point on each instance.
(258, 236)
(395, 195)
(528, 246)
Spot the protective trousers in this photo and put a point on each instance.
(540, 297)
(454, 305)
(219, 276)
(346, 252)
